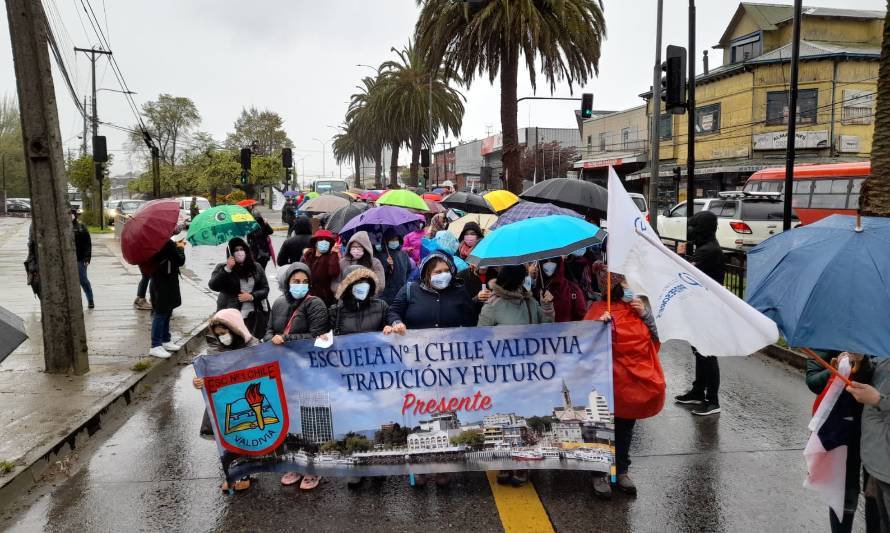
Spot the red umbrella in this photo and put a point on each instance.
(149, 230)
(432, 196)
(247, 203)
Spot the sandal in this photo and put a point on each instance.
(240, 485)
(291, 478)
(309, 482)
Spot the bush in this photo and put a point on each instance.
(234, 197)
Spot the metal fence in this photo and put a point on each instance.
(736, 267)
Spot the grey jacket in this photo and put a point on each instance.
(310, 315)
(514, 308)
(875, 442)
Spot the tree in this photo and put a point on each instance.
(80, 176)
(472, 438)
(12, 154)
(406, 86)
(266, 128)
(169, 120)
(562, 38)
(539, 424)
(547, 160)
(875, 196)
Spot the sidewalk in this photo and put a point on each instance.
(43, 415)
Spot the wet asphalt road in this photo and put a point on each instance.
(739, 471)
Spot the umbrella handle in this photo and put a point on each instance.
(826, 365)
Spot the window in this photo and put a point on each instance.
(858, 107)
(744, 48)
(724, 208)
(762, 210)
(602, 142)
(801, 195)
(777, 107)
(640, 203)
(853, 201)
(589, 141)
(625, 138)
(680, 210)
(707, 119)
(830, 194)
(665, 130)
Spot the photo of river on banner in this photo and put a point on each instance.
(435, 401)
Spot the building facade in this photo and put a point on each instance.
(316, 420)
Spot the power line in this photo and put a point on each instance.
(60, 62)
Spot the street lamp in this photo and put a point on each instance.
(322, 154)
(302, 160)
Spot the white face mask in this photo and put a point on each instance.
(441, 280)
(549, 268)
(240, 256)
(225, 340)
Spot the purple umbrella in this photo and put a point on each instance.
(524, 210)
(379, 219)
(289, 194)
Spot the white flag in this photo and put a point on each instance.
(686, 303)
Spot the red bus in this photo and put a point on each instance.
(819, 190)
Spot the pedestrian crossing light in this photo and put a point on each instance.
(244, 177)
(587, 105)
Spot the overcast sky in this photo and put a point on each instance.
(299, 58)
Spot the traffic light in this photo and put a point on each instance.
(586, 105)
(100, 151)
(245, 158)
(244, 177)
(673, 85)
(287, 158)
(425, 157)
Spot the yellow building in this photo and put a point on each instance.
(742, 105)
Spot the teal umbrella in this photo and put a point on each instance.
(220, 224)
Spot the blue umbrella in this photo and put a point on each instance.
(525, 210)
(826, 285)
(289, 194)
(535, 239)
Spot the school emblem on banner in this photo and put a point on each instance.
(249, 409)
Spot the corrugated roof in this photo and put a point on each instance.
(814, 49)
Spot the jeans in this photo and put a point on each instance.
(624, 432)
(707, 376)
(143, 287)
(84, 280)
(160, 328)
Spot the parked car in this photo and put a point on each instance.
(121, 208)
(185, 205)
(744, 219)
(639, 200)
(18, 205)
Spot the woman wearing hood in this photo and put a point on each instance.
(357, 310)
(437, 301)
(292, 249)
(397, 266)
(568, 298)
(241, 283)
(469, 237)
(297, 315)
(324, 264)
(359, 251)
(227, 332)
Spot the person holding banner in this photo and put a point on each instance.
(637, 376)
(357, 310)
(437, 301)
(324, 263)
(361, 253)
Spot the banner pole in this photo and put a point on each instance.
(609, 291)
(826, 365)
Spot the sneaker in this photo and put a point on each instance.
(601, 487)
(142, 304)
(159, 352)
(626, 485)
(172, 346)
(707, 409)
(692, 397)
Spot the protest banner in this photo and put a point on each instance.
(435, 400)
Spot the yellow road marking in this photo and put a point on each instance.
(519, 507)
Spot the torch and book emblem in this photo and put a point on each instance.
(252, 411)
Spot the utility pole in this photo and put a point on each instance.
(64, 335)
(3, 192)
(792, 118)
(690, 134)
(655, 114)
(98, 173)
(83, 145)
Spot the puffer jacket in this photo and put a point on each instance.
(310, 315)
(514, 308)
(325, 268)
(419, 306)
(347, 261)
(353, 316)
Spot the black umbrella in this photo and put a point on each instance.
(468, 203)
(579, 195)
(340, 217)
(12, 332)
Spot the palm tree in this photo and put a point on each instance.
(406, 86)
(348, 145)
(562, 38)
(875, 197)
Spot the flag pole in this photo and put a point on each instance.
(609, 291)
(826, 365)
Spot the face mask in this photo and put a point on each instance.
(361, 290)
(378, 247)
(470, 240)
(527, 283)
(628, 295)
(356, 253)
(579, 253)
(549, 268)
(299, 290)
(323, 246)
(393, 245)
(225, 340)
(441, 280)
(240, 256)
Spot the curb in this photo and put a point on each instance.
(24, 478)
(785, 355)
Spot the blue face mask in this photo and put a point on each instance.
(579, 253)
(393, 245)
(527, 283)
(378, 247)
(361, 290)
(323, 246)
(628, 295)
(299, 290)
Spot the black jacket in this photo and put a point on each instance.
(708, 258)
(291, 250)
(420, 307)
(310, 321)
(228, 285)
(351, 316)
(258, 240)
(164, 287)
(83, 245)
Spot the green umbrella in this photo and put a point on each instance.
(403, 198)
(220, 224)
